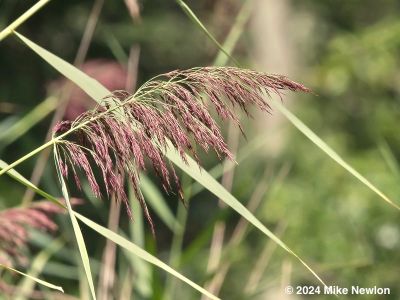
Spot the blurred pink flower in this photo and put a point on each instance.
(15, 223)
(108, 72)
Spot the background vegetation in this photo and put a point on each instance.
(346, 51)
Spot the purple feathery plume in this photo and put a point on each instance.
(128, 130)
(14, 225)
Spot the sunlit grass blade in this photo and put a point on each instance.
(5, 124)
(389, 157)
(21, 179)
(175, 252)
(140, 252)
(142, 269)
(28, 121)
(218, 170)
(84, 289)
(115, 47)
(328, 150)
(37, 280)
(25, 16)
(26, 286)
(197, 21)
(234, 34)
(25, 157)
(77, 231)
(93, 88)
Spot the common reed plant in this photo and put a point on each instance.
(14, 225)
(166, 122)
(126, 130)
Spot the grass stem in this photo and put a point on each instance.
(25, 16)
(29, 155)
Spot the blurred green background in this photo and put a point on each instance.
(347, 52)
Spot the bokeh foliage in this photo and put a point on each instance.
(350, 58)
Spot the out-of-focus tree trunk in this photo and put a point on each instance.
(273, 52)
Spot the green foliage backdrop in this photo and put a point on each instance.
(348, 54)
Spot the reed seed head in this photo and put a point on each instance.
(14, 226)
(128, 132)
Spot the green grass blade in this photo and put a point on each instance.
(25, 16)
(176, 250)
(218, 170)
(389, 157)
(142, 269)
(26, 286)
(197, 21)
(25, 157)
(37, 280)
(93, 88)
(328, 150)
(234, 34)
(21, 179)
(28, 121)
(156, 200)
(77, 231)
(116, 238)
(115, 47)
(8, 122)
(84, 290)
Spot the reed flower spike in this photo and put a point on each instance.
(124, 132)
(14, 225)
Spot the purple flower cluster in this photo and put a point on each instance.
(14, 225)
(128, 130)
